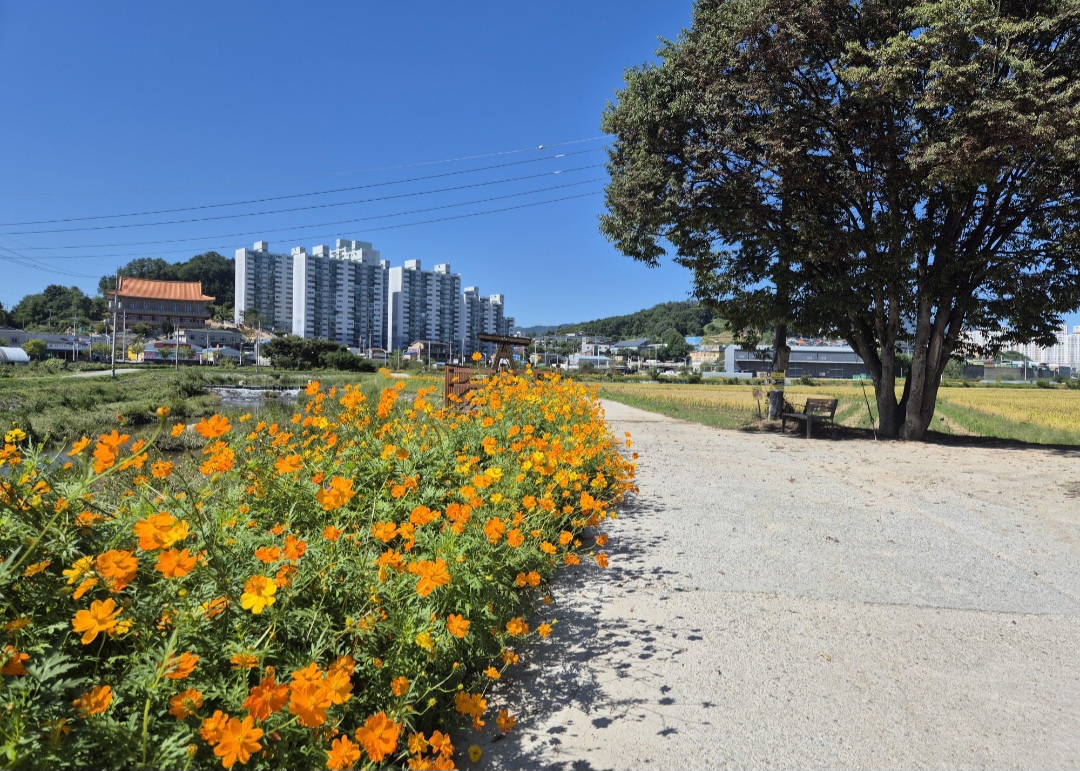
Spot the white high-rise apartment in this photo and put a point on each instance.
(340, 294)
(423, 305)
(1066, 352)
(482, 314)
(264, 285)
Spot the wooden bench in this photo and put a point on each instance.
(459, 382)
(821, 410)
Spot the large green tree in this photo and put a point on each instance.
(892, 173)
(55, 309)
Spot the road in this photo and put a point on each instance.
(774, 602)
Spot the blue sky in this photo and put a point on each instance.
(140, 107)
(132, 107)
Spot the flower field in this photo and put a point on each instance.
(335, 591)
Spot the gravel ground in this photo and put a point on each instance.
(774, 602)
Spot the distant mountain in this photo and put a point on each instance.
(534, 331)
(688, 318)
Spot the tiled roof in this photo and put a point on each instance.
(162, 290)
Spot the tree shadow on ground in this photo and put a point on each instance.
(566, 673)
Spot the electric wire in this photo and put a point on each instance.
(320, 175)
(268, 199)
(292, 229)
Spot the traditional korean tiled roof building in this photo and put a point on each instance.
(182, 303)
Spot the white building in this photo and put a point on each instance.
(340, 294)
(1066, 352)
(264, 284)
(423, 305)
(483, 314)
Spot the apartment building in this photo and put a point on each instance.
(264, 285)
(483, 314)
(1065, 352)
(423, 305)
(340, 294)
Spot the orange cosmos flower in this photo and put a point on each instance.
(289, 464)
(266, 698)
(309, 702)
(161, 469)
(268, 554)
(294, 548)
(472, 704)
(159, 531)
(457, 625)
(331, 533)
(243, 661)
(384, 531)
(493, 673)
(175, 564)
(543, 630)
(571, 559)
(505, 721)
(117, 567)
(431, 575)
(178, 429)
(212, 727)
(237, 741)
(515, 538)
(180, 667)
(213, 427)
(100, 618)
(185, 703)
(548, 548)
(13, 665)
(601, 560)
(258, 593)
(342, 754)
(493, 529)
(338, 684)
(379, 736)
(37, 567)
(339, 493)
(440, 744)
(78, 446)
(517, 627)
(95, 701)
(399, 686)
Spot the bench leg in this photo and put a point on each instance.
(809, 424)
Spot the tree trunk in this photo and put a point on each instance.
(781, 355)
(927, 367)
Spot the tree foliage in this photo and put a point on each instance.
(891, 173)
(688, 318)
(291, 352)
(55, 308)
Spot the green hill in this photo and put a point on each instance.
(688, 318)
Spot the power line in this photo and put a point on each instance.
(266, 231)
(265, 180)
(203, 207)
(385, 227)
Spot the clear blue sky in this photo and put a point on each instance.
(134, 107)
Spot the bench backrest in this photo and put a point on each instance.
(818, 406)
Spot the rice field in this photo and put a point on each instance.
(1041, 416)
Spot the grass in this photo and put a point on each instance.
(57, 405)
(1037, 416)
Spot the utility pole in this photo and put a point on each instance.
(116, 303)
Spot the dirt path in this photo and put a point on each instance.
(777, 602)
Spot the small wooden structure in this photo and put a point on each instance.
(504, 347)
(460, 380)
(815, 409)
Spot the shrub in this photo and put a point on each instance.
(1043, 383)
(328, 589)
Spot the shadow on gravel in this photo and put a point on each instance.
(570, 668)
(849, 434)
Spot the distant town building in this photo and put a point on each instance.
(340, 294)
(150, 302)
(1065, 352)
(824, 361)
(207, 337)
(350, 295)
(423, 305)
(264, 286)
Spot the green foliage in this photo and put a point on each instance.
(688, 318)
(53, 310)
(883, 172)
(35, 348)
(291, 352)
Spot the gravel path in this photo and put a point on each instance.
(774, 602)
